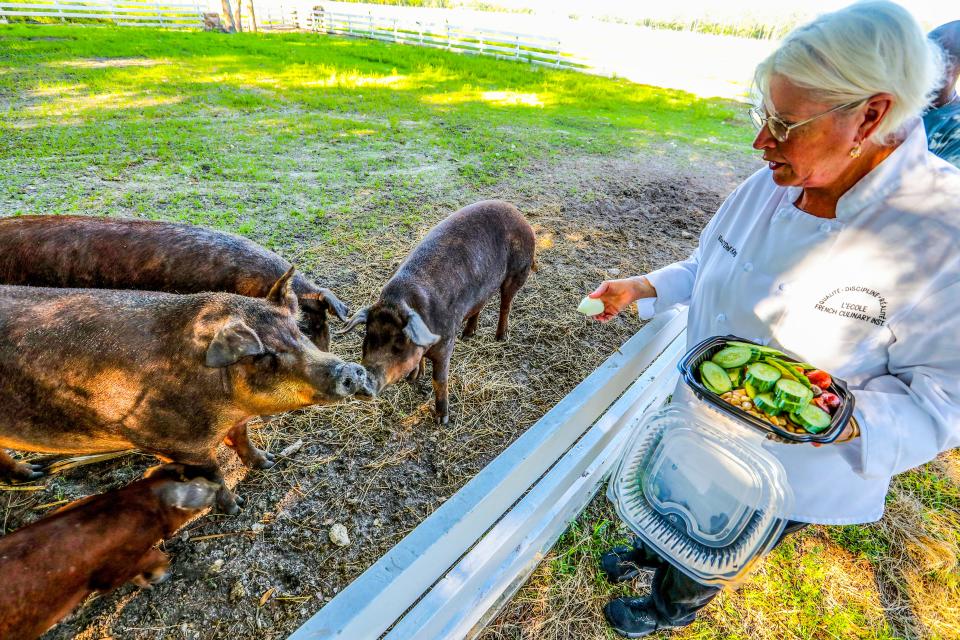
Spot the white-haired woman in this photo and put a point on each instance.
(844, 249)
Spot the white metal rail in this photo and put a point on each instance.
(454, 571)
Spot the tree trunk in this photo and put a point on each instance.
(236, 16)
(228, 24)
(253, 17)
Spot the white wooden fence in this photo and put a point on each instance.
(120, 12)
(535, 49)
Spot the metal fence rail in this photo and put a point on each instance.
(444, 35)
(119, 12)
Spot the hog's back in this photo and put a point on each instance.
(467, 256)
(115, 253)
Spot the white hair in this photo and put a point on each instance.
(858, 52)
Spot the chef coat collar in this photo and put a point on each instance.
(886, 176)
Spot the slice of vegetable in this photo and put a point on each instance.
(762, 376)
(764, 402)
(820, 378)
(787, 406)
(590, 306)
(822, 403)
(812, 418)
(788, 370)
(756, 347)
(791, 391)
(750, 389)
(715, 377)
(736, 376)
(731, 357)
(832, 400)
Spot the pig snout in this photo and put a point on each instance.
(338, 380)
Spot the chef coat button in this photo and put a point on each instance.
(748, 267)
(782, 287)
(824, 227)
(721, 317)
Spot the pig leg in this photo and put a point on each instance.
(151, 569)
(238, 439)
(10, 468)
(441, 369)
(472, 319)
(508, 290)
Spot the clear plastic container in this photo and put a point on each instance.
(702, 492)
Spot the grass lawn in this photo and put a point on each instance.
(200, 126)
(339, 154)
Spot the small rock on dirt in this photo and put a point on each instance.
(237, 592)
(338, 535)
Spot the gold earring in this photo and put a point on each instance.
(855, 152)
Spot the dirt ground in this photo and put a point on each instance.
(380, 468)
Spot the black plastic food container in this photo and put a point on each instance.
(690, 370)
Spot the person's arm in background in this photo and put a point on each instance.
(911, 415)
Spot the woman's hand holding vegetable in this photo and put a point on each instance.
(617, 295)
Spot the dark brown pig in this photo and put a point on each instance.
(95, 544)
(93, 370)
(114, 253)
(448, 278)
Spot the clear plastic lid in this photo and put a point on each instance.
(702, 492)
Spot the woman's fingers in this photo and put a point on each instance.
(602, 289)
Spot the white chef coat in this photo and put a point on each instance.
(872, 296)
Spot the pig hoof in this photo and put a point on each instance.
(24, 471)
(443, 420)
(500, 337)
(262, 460)
(229, 503)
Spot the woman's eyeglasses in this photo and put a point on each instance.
(779, 129)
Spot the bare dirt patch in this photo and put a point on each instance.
(380, 468)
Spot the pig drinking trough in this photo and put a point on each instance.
(448, 577)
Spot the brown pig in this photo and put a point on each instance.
(116, 253)
(448, 278)
(95, 544)
(94, 370)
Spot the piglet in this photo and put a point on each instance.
(117, 253)
(481, 249)
(95, 544)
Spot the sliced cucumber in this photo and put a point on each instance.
(736, 376)
(764, 402)
(750, 389)
(762, 376)
(791, 391)
(714, 377)
(812, 418)
(787, 406)
(759, 348)
(731, 357)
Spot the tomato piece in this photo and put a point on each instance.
(820, 378)
(831, 399)
(822, 403)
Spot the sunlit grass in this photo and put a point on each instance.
(223, 129)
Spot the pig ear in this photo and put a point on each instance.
(233, 341)
(189, 496)
(417, 330)
(336, 305)
(358, 318)
(281, 293)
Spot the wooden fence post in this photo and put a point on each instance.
(395, 38)
(517, 54)
(370, 23)
(557, 59)
(448, 36)
(160, 16)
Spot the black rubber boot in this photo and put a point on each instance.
(620, 564)
(633, 617)
(624, 563)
